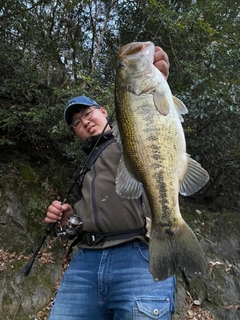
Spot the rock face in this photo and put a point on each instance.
(23, 296)
(13, 221)
(216, 294)
(219, 290)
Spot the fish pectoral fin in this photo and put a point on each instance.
(160, 100)
(194, 179)
(116, 134)
(126, 185)
(180, 107)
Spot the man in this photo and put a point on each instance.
(108, 277)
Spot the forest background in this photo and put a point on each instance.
(51, 51)
(54, 50)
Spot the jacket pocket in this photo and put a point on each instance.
(147, 308)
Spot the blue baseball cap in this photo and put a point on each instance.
(74, 104)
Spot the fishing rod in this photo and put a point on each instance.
(79, 178)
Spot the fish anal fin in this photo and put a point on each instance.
(126, 185)
(194, 179)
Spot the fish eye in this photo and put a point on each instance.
(122, 65)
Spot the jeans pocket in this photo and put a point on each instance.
(148, 308)
(142, 250)
(78, 253)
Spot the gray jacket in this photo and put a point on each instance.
(101, 209)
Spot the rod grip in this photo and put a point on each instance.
(28, 266)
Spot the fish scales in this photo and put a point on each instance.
(154, 156)
(146, 150)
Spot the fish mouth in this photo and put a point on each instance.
(136, 50)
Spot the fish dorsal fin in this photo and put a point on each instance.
(194, 179)
(180, 107)
(160, 99)
(126, 185)
(116, 134)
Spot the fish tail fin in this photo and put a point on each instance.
(179, 250)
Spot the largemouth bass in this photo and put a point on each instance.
(154, 159)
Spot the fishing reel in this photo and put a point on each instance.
(71, 228)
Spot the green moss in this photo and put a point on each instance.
(27, 173)
(41, 276)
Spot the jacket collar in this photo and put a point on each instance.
(90, 142)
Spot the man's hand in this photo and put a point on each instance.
(58, 212)
(161, 61)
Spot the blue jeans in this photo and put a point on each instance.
(113, 283)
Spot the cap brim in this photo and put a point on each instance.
(74, 108)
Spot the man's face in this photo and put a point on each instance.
(90, 127)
